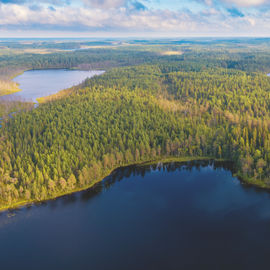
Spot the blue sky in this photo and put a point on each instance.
(145, 18)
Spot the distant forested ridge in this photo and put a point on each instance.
(168, 106)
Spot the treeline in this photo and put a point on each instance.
(90, 59)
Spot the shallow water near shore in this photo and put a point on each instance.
(192, 215)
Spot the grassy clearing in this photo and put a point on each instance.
(8, 87)
(169, 53)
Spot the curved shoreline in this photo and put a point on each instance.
(24, 203)
(244, 180)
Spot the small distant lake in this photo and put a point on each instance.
(41, 83)
(193, 215)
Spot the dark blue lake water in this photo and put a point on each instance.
(176, 216)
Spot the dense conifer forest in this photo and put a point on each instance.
(204, 103)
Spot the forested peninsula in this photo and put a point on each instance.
(147, 107)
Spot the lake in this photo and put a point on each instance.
(41, 83)
(193, 215)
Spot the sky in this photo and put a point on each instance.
(134, 18)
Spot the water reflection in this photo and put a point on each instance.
(142, 170)
(91, 193)
(125, 173)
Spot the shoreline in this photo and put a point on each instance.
(244, 180)
(24, 203)
(9, 92)
(252, 182)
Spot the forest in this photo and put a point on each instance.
(148, 106)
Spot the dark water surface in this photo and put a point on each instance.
(177, 216)
(41, 83)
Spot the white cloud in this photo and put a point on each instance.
(105, 3)
(247, 3)
(208, 2)
(252, 21)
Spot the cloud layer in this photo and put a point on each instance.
(177, 17)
